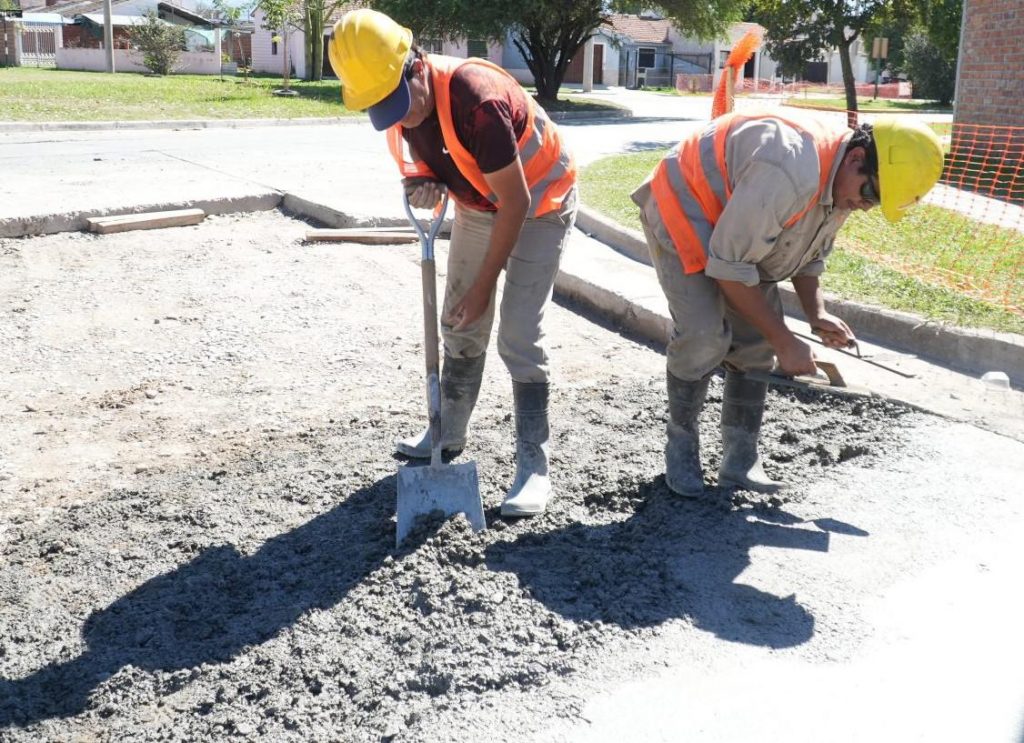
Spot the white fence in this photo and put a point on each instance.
(95, 60)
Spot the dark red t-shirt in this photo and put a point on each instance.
(489, 111)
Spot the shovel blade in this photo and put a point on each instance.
(450, 488)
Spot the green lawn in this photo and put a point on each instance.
(916, 265)
(869, 104)
(28, 94)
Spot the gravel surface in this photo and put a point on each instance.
(197, 505)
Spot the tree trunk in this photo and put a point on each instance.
(848, 82)
(316, 42)
(547, 65)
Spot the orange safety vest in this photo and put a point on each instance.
(548, 165)
(691, 186)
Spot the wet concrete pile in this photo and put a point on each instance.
(262, 597)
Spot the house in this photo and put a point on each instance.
(654, 53)
(69, 35)
(647, 50)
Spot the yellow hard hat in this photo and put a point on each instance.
(367, 53)
(909, 163)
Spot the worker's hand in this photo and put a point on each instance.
(469, 309)
(795, 357)
(833, 332)
(423, 193)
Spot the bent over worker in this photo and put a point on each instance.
(745, 202)
(471, 128)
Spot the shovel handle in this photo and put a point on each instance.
(428, 273)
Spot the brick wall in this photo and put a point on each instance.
(6, 43)
(990, 88)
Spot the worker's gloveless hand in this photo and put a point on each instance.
(833, 332)
(469, 309)
(795, 357)
(423, 193)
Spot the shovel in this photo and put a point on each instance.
(450, 488)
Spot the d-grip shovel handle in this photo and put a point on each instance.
(430, 333)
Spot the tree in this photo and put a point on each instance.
(160, 43)
(933, 74)
(941, 21)
(924, 42)
(801, 30)
(548, 33)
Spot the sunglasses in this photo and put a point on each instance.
(869, 191)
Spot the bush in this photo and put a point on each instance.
(159, 42)
(933, 74)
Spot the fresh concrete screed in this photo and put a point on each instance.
(197, 498)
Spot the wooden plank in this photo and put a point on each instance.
(367, 236)
(146, 220)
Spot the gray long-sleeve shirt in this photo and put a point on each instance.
(774, 174)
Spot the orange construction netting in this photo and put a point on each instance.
(969, 233)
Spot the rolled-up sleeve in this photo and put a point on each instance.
(765, 197)
(814, 268)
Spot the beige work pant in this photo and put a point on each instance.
(706, 331)
(529, 281)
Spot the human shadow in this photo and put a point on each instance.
(211, 608)
(673, 558)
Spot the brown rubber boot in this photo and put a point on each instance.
(683, 473)
(742, 411)
(460, 387)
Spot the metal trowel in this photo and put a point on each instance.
(827, 378)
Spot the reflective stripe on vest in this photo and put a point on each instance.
(548, 166)
(691, 185)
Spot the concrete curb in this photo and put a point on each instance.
(973, 351)
(610, 113)
(88, 126)
(46, 224)
(332, 218)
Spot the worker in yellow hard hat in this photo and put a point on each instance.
(739, 205)
(470, 128)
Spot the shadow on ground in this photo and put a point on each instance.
(672, 558)
(210, 609)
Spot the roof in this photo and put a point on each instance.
(44, 19)
(115, 20)
(641, 30)
(76, 7)
(183, 13)
(341, 10)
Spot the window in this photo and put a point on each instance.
(476, 48)
(645, 57)
(430, 46)
(273, 46)
(722, 57)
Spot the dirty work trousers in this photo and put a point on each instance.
(706, 331)
(529, 281)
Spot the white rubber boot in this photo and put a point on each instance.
(460, 387)
(531, 489)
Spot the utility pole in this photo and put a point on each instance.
(879, 51)
(108, 34)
